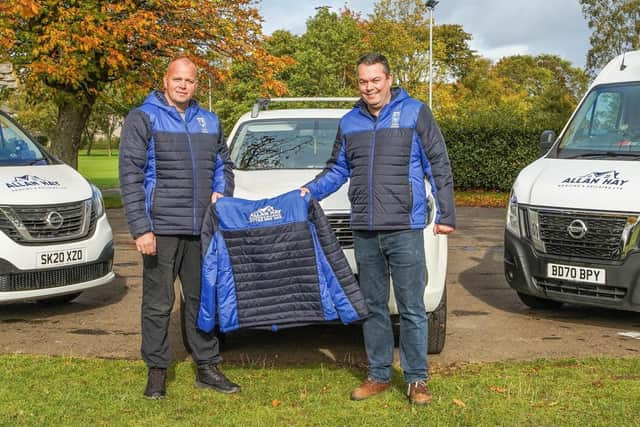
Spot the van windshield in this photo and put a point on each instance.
(607, 124)
(293, 143)
(16, 148)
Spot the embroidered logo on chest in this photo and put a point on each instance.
(395, 119)
(203, 124)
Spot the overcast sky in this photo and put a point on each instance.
(499, 27)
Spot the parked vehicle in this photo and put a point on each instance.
(276, 151)
(572, 227)
(55, 240)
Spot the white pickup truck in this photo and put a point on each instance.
(55, 240)
(573, 223)
(276, 151)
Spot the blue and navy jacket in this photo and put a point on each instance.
(387, 160)
(274, 263)
(169, 166)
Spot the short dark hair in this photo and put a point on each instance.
(372, 58)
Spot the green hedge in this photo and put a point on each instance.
(488, 149)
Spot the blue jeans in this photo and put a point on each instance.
(401, 255)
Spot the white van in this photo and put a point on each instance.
(55, 240)
(276, 151)
(572, 229)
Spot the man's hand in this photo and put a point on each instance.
(304, 191)
(443, 229)
(146, 244)
(216, 196)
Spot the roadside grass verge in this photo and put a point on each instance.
(481, 198)
(39, 390)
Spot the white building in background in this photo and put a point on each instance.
(7, 78)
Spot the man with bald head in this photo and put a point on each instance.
(173, 164)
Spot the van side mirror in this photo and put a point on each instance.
(547, 138)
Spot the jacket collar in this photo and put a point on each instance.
(158, 99)
(397, 95)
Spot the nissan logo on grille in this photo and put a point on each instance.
(577, 229)
(54, 220)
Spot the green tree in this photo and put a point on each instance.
(75, 48)
(616, 29)
(107, 115)
(547, 87)
(452, 51)
(32, 108)
(240, 90)
(326, 54)
(399, 29)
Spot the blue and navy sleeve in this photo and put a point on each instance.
(223, 179)
(207, 311)
(345, 291)
(335, 173)
(437, 166)
(135, 138)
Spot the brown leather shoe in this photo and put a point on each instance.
(369, 388)
(419, 393)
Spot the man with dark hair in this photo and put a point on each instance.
(173, 164)
(387, 145)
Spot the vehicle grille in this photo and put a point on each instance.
(341, 225)
(581, 289)
(602, 240)
(36, 230)
(44, 279)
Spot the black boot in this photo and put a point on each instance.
(209, 376)
(156, 380)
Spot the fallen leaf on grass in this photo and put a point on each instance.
(459, 403)
(275, 403)
(497, 389)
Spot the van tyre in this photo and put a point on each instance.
(539, 303)
(438, 325)
(436, 322)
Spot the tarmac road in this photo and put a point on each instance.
(486, 320)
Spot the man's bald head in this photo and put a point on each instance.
(180, 82)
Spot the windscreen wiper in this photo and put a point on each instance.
(605, 154)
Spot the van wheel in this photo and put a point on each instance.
(438, 325)
(539, 303)
(59, 299)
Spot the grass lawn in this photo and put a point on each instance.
(67, 391)
(102, 170)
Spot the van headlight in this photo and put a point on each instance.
(513, 219)
(96, 201)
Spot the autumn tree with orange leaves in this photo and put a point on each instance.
(75, 48)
